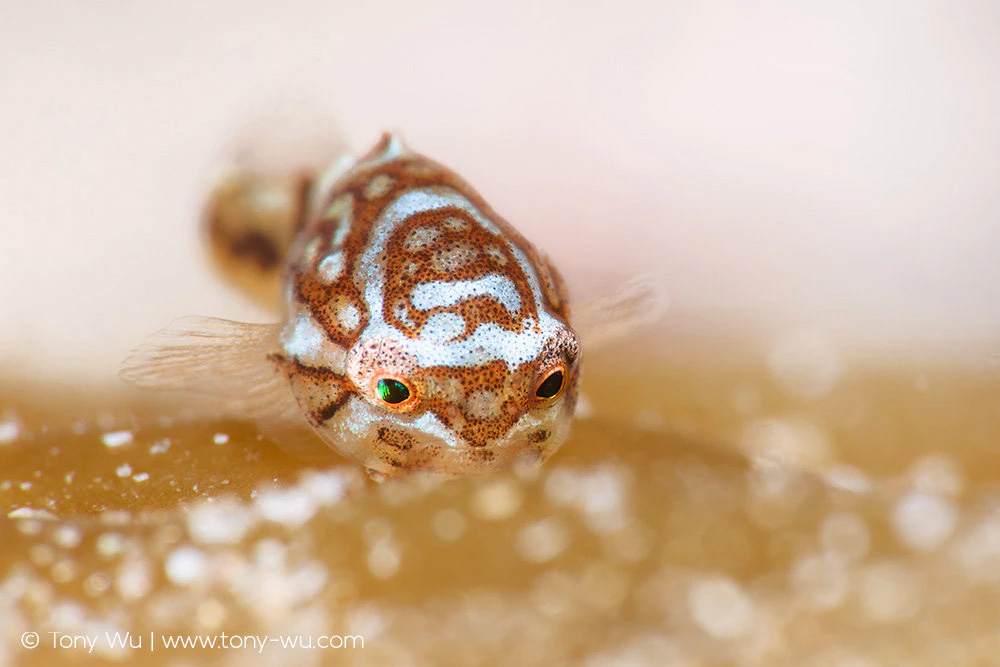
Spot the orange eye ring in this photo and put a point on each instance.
(551, 384)
(395, 394)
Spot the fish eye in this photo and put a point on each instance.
(551, 384)
(393, 391)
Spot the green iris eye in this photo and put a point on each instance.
(551, 386)
(392, 391)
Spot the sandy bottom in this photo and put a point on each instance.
(710, 508)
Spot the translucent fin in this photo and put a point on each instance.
(226, 363)
(633, 305)
(251, 222)
(261, 197)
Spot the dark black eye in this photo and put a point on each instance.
(550, 386)
(392, 391)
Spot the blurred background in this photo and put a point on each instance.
(815, 167)
(799, 468)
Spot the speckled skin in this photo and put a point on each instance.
(404, 272)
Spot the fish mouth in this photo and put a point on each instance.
(399, 451)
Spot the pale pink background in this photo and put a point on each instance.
(827, 165)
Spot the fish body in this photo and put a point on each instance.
(404, 273)
(420, 332)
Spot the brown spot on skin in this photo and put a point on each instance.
(425, 458)
(400, 450)
(482, 455)
(395, 438)
(320, 392)
(391, 459)
(538, 436)
(327, 413)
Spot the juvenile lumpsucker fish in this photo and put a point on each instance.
(421, 331)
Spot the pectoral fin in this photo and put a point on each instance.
(636, 304)
(231, 367)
